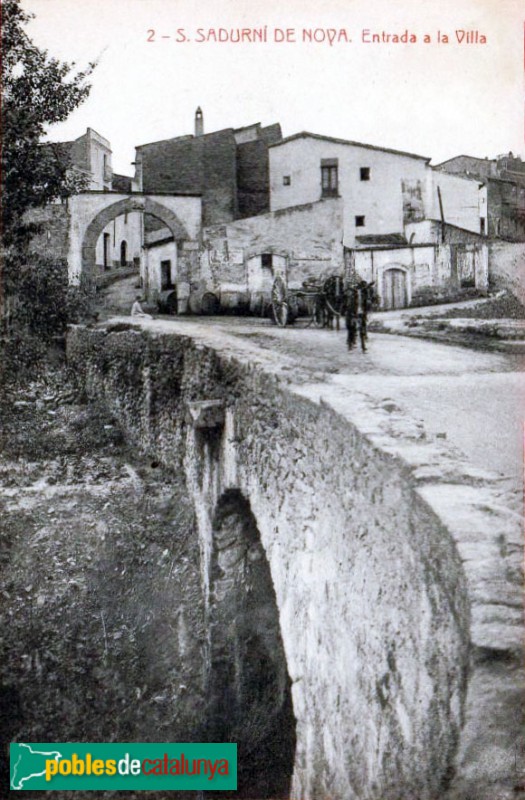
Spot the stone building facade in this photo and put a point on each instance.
(229, 168)
(334, 204)
(307, 206)
(383, 190)
(90, 156)
(504, 177)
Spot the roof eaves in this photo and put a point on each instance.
(335, 140)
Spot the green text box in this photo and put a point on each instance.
(125, 766)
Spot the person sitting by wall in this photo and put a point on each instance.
(137, 310)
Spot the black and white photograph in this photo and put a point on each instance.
(262, 347)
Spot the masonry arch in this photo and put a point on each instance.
(125, 206)
(249, 692)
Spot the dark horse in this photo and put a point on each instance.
(359, 299)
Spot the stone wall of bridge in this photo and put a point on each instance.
(377, 545)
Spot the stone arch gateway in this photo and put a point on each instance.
(90, 212)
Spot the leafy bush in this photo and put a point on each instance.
(44, 303)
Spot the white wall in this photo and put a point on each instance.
(379, 199)
(154, 256)
(128, 228)
(464, 201)
(97, 148)
(424, 266)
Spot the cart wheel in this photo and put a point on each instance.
(279, 302)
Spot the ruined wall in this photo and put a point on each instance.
(431, 230)
(506, 209)
(369, 586)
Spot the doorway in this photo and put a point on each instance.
(107, 245)
(395, 293)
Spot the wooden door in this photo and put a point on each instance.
(395, 289)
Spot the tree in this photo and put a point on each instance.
(37, 91)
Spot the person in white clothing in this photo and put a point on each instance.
(137, 310)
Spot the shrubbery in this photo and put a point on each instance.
(41, 305)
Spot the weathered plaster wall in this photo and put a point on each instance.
(432, 266)
(303, 241)
(507, 267)
(369, 584)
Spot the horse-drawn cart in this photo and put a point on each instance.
(321, 301)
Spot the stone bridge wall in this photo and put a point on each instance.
(372, 594)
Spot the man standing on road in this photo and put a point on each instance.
(358, 306)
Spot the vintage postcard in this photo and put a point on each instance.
(261, 447)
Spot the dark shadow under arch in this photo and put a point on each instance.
(249, 692)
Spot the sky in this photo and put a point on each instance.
(435, 98)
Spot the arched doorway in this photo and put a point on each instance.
(123, 253)
(395, 288)
(249, 696)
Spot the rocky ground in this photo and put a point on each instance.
(100, 611)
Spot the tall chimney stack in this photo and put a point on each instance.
(199, 122)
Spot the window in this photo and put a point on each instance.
(482, 225)
(364, 173)
(286, 180)
(329, 177)
(360, 222)
(123, 254)
(266, 260)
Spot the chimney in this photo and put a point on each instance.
(199, 122)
